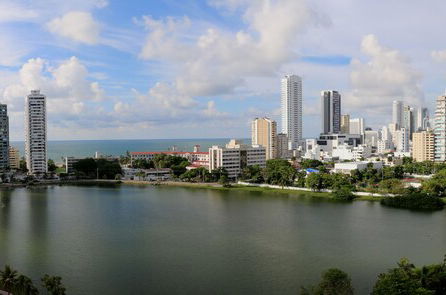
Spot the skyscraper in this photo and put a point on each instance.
(35, 133)
(440, 129)
(345, 124)
(264, 133)
(331, 111)
(402, 140)
(4, 137)
(291, 102)
(422, 122)
(397, 113)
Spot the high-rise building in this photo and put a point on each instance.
(291, 108)
(357, 126)
(264, 133)
(423, 146)
(235, 157)
(331, 111)
(14, 158)
(282, 146)
(345, 124)
(422, 122)
(440, 129)
(4, 137)
(371, 138)
(408, 119)
(397, 113)
(402, 140)
(35, 133)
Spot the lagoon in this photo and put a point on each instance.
(172, 240)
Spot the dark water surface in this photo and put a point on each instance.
(166, 240)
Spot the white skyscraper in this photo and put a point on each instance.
(402, 140)
(357, 126)
(331, 111)
(440, 129)
(397, 113)
(422, 122)
(35, 133)
(292, 109)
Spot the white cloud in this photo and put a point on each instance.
(76, 25)
(14, 11)
(387, 75)
(439, 55)
(215, 61)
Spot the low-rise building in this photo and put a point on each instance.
(69, 164)
(198, 158)
(235, 156)
(147, 174)
(348, 167)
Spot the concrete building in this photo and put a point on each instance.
(384, 146)
(402, 140)
(195, 158)
(423, 146)
(348, 167)
(357, 126)
(35, 133)
(235, 156)
(371, 138)
(264, 133)
(440, 129)
(422, 122)
(331, 111)
(291, 108)
(282, 146)
(14, 158)
(69, 163)
(347, 152)
(345, 124)
(4, 137)
(397, 113)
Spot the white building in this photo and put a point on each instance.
(346, 152)
(348, 167)
(35, 133)
(264, 133)
(357, 126)
(384, 146)
(371, 138)
(422, 119)
(331, 111)
(235, 156)
(440, 129)
(291, 108)
(402, 140)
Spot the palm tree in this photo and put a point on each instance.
(8, 278)
(53, 285)
(24, 285)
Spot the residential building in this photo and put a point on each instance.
(422, 119)
(14, 158)
(345, 124)
(357, 126)
(282, 146)
(331, 111)
(349, 167)
(440, 129)
(69, 163)
(423, 146)
(397, 113)
(264, 133)
(235, 156)
(384, 146)
(393, 128)
(348, 152)
(402, 140)
(408, 120)
(291, 108)
(36, 133)
(4, 137)
(371, 138)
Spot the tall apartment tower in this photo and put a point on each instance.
(35, 133)
(4, 137)
(264, 133)
(440, 129)
(345, 124)
(14, 158)
(423, 146)
(397, 113)
(291, 103)
(422, 122)
(331, 111)
(402, 140)
(357, 126)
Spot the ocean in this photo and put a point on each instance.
(58, 149)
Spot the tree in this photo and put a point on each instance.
(279, 172)
(401, 280)
(51, 166)
(53, 285)
(23, 167)
(392, 186)
(8, 279)
(24, 285)
(343, 193)
(436, 185)
(253, 174)
(300, 178)
(334, 282)
(314, 181)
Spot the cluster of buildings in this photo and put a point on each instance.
(410, 133)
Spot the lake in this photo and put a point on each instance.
(171, 240)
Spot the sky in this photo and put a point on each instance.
(204, 69)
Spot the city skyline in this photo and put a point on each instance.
(109, 78)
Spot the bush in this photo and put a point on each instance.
(414, 201)
(343, 194)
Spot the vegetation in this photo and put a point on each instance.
(334, 282)
(14, 283)
(97, 168)
(343, 193)
(279, 172)
(415, 200)
(160, 161)
(51, 166)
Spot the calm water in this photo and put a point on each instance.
(87, 148)
(136, 240)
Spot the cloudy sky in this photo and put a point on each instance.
(204, 68)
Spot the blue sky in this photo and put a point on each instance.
(187, 69)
